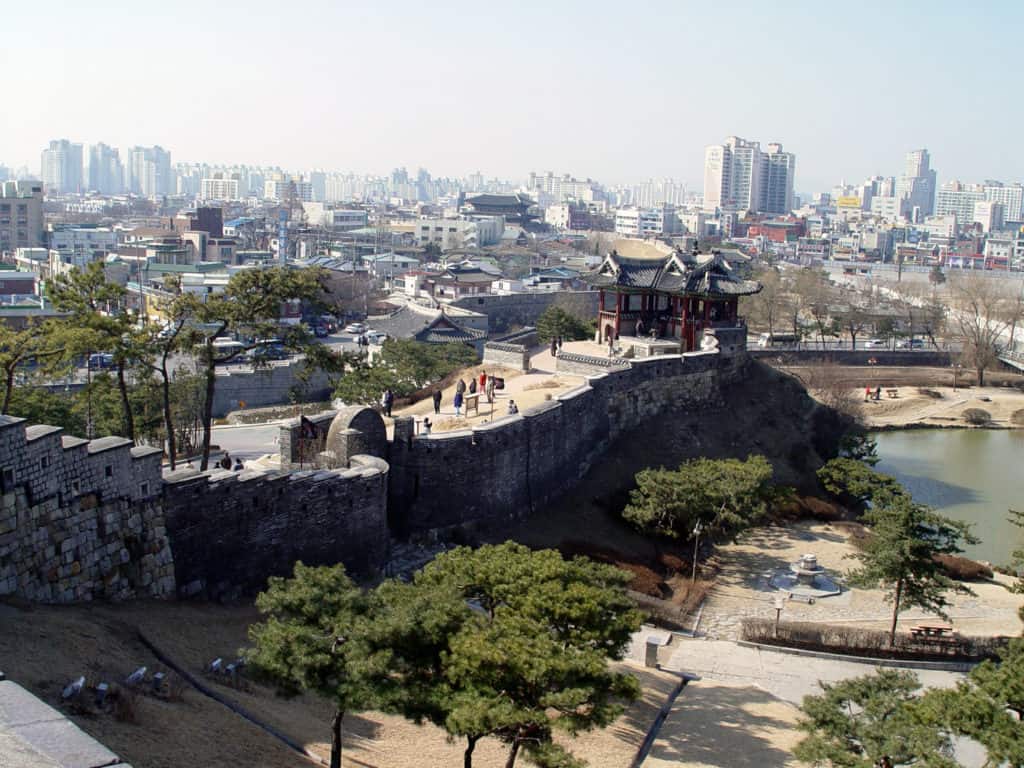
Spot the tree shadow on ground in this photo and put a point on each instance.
(758, 569)
(713, 725)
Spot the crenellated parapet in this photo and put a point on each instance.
(80, 519)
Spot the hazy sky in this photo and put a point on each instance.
(619, 91)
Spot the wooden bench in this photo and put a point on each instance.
(892, 393)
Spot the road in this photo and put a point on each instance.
(247, 441)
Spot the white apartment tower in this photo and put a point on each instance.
(61, 165)
(778, 169)
(106, 172)
(149, 172)
(738, 176)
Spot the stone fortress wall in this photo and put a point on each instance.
(94, 519)
(509, 468)
(80, 519)
(231, 530)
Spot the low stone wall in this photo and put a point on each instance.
(265, 386)
(523, 309)
(297, 452)
(232, 530)
(79, 519)
(921, 357)
(588, 365)
(513, 356)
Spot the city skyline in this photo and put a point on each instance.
(367, 90)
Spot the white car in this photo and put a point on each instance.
(355, 328)
(375, 337)
(875, 344)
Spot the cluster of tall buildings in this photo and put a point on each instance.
(64, 170)
(739, 176)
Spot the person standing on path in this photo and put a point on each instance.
(554, 346)
(388, 400)
(489, 389)
(458, 403)
(472, 386)
(483, 380)
(437, 401)
(460, 387)
(559, 343)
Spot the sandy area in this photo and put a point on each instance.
(44, 647)
(910, 406)
(729, 725)
(743, 588)
(527, 389)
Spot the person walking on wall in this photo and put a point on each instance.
(437, 401)
(225, 462)
(559, 343)
(513, 409)
(458, 403)
(554, 346)
(426, 425)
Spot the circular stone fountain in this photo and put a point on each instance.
(806, 578)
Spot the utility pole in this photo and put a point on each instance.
(696, 544)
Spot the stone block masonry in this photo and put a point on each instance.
(231, 530)
(507, 469)
(523, 309)
(79, 519)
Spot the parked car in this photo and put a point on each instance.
(263, 354)
(375, 337)
(876, 344)
(912, 344)
(356, 329)
(320, 331)
(100, 361)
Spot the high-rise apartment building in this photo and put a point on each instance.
(21, 215)
(1011, 196)
(738, 176)
(106, 172)
(956, 197)
(777, 172)
(219, 188)
(61, 166)
(149, 172)
(917, 184)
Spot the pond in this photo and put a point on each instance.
(973, 475)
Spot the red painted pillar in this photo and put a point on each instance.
(618, 313)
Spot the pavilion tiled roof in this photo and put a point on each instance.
(678, 273)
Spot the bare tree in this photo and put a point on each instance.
(982, 314)
(767, 307)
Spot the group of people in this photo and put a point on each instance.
(225, 463)
(556, 344)
(869, 395)
(478, 384)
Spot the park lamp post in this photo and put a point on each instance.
(956, 372)
(778, 605)
(696, 543)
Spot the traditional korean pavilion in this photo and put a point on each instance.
(675, 297)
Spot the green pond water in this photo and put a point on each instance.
(973, 475)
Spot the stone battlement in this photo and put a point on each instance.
(80, 519)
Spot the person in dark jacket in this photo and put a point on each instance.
(457, 402)
(437, 401)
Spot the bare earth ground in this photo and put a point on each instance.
(44, 647)
(726, 725)
(743, 590)
(527, 389)
(912, 407)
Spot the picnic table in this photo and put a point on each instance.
(893, 393)
(932, 631)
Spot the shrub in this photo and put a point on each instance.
(126, 705)
(977, 416)
(1017, 417)
(932, 393)
(859, 641)
(822, 510)
(962, 568)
